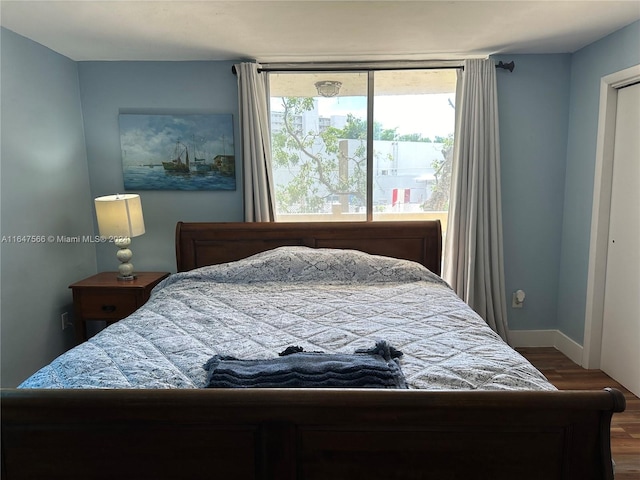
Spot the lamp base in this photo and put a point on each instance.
(126, 278)
(124, 255)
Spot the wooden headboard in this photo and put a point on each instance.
(201, 244)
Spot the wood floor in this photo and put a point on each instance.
(625, 426)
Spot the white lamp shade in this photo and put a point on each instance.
(119, 215)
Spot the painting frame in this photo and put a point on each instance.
(177, 151)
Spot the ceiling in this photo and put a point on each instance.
(304, 31)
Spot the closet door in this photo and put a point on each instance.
(621, 323)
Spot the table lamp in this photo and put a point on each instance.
(120, 218)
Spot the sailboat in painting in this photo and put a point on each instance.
(177, 164)
(199, 165)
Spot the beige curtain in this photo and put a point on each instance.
(259, 204)
(473, 263)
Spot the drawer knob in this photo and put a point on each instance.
(108, 308)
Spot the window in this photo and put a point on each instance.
(327, 163)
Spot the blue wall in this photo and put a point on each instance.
(45, 192)
(534, 114)
(110, 88)
(613, 53)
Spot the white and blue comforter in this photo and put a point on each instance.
(335, 301)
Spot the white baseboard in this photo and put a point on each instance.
(547, 338)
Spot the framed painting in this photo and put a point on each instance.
(178, 152)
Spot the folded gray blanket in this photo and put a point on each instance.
(373, 368)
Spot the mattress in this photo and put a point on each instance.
(327, 300)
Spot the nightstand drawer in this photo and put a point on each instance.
(106, 305)
(104, 297)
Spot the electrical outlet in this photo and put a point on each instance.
(66, 321)
(517, 299)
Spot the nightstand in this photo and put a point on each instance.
(104, 297)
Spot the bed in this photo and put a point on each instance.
(130, 402)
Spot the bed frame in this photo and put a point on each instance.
(200, 244)
(286, 434)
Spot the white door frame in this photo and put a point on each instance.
(601, 209)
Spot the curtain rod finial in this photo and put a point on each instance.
(507, 66)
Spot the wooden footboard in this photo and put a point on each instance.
(306, 434)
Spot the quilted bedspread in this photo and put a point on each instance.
(334, 301)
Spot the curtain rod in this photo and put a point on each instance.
(316, 67)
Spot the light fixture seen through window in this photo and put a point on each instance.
(328, 88)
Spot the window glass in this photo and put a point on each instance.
(319, 144)
(414, 121)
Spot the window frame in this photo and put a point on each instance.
(369, 68)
